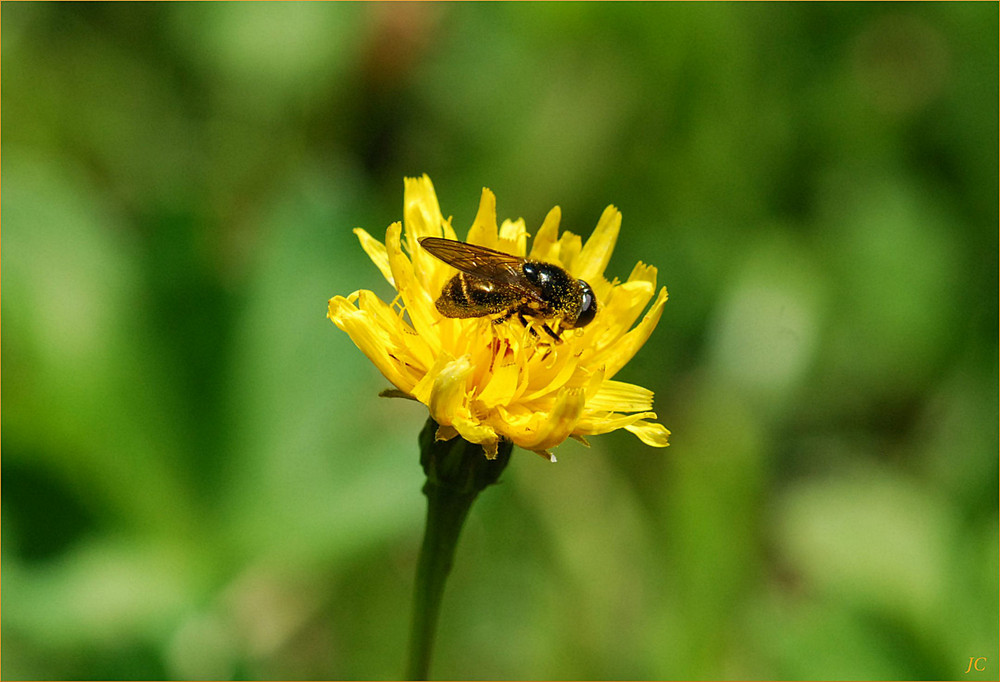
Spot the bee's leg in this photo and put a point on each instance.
(551, 333)
(530, 329)
(503, 318)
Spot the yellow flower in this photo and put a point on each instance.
(484, 381)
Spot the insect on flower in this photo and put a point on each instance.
(487, 382)
(492, 282)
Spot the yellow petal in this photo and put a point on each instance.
(484, 229)
(449, 391)
(447, 231)
(623, 303)
(421, 212)
(513, 237)
(544, 247)
(619, 311)
(419, 304)
(594, 257)
(569, 248)
(624, 350)
(617, 396)
(374, 341)
(502, 385)
(422, 218)
(408, 346)
(552, 429)
(479, 433)
(591, 424)
(545, 381)
(594, 383)
(376, 251)
(651, 434)
(423, 389)
(643, 273)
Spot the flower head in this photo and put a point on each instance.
(484, 380)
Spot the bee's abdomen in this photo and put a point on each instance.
(467, 296)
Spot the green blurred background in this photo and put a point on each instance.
(199, 479)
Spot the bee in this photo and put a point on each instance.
(494, 283)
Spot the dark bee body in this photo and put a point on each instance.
(491, 283)
(467, 296)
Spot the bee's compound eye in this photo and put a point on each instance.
(588, 305)
(532, 272)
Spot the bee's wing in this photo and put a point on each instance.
(479, 261)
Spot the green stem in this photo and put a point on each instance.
(457, 471)
(445, 515)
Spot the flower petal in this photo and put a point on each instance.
(484, 228)
(620, 310)
(373, 340)
(624, 350)
(376, 251)
(479, 433)
(591, 424)
(546, 380)
(448, 394)
(643, 273)
(594, 257)
(419, 304)
(617, 396)
(552, 429)
(545, 247)
(447, 231)
(569, 248)
(409, 347)
(423, 389)
(650, 433)
(422, 218)
(421, 212)
(502, 385)
(513, 237)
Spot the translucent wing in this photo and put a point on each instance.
(479, 261)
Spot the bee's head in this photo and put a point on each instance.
(588, 305)
(574, 302)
